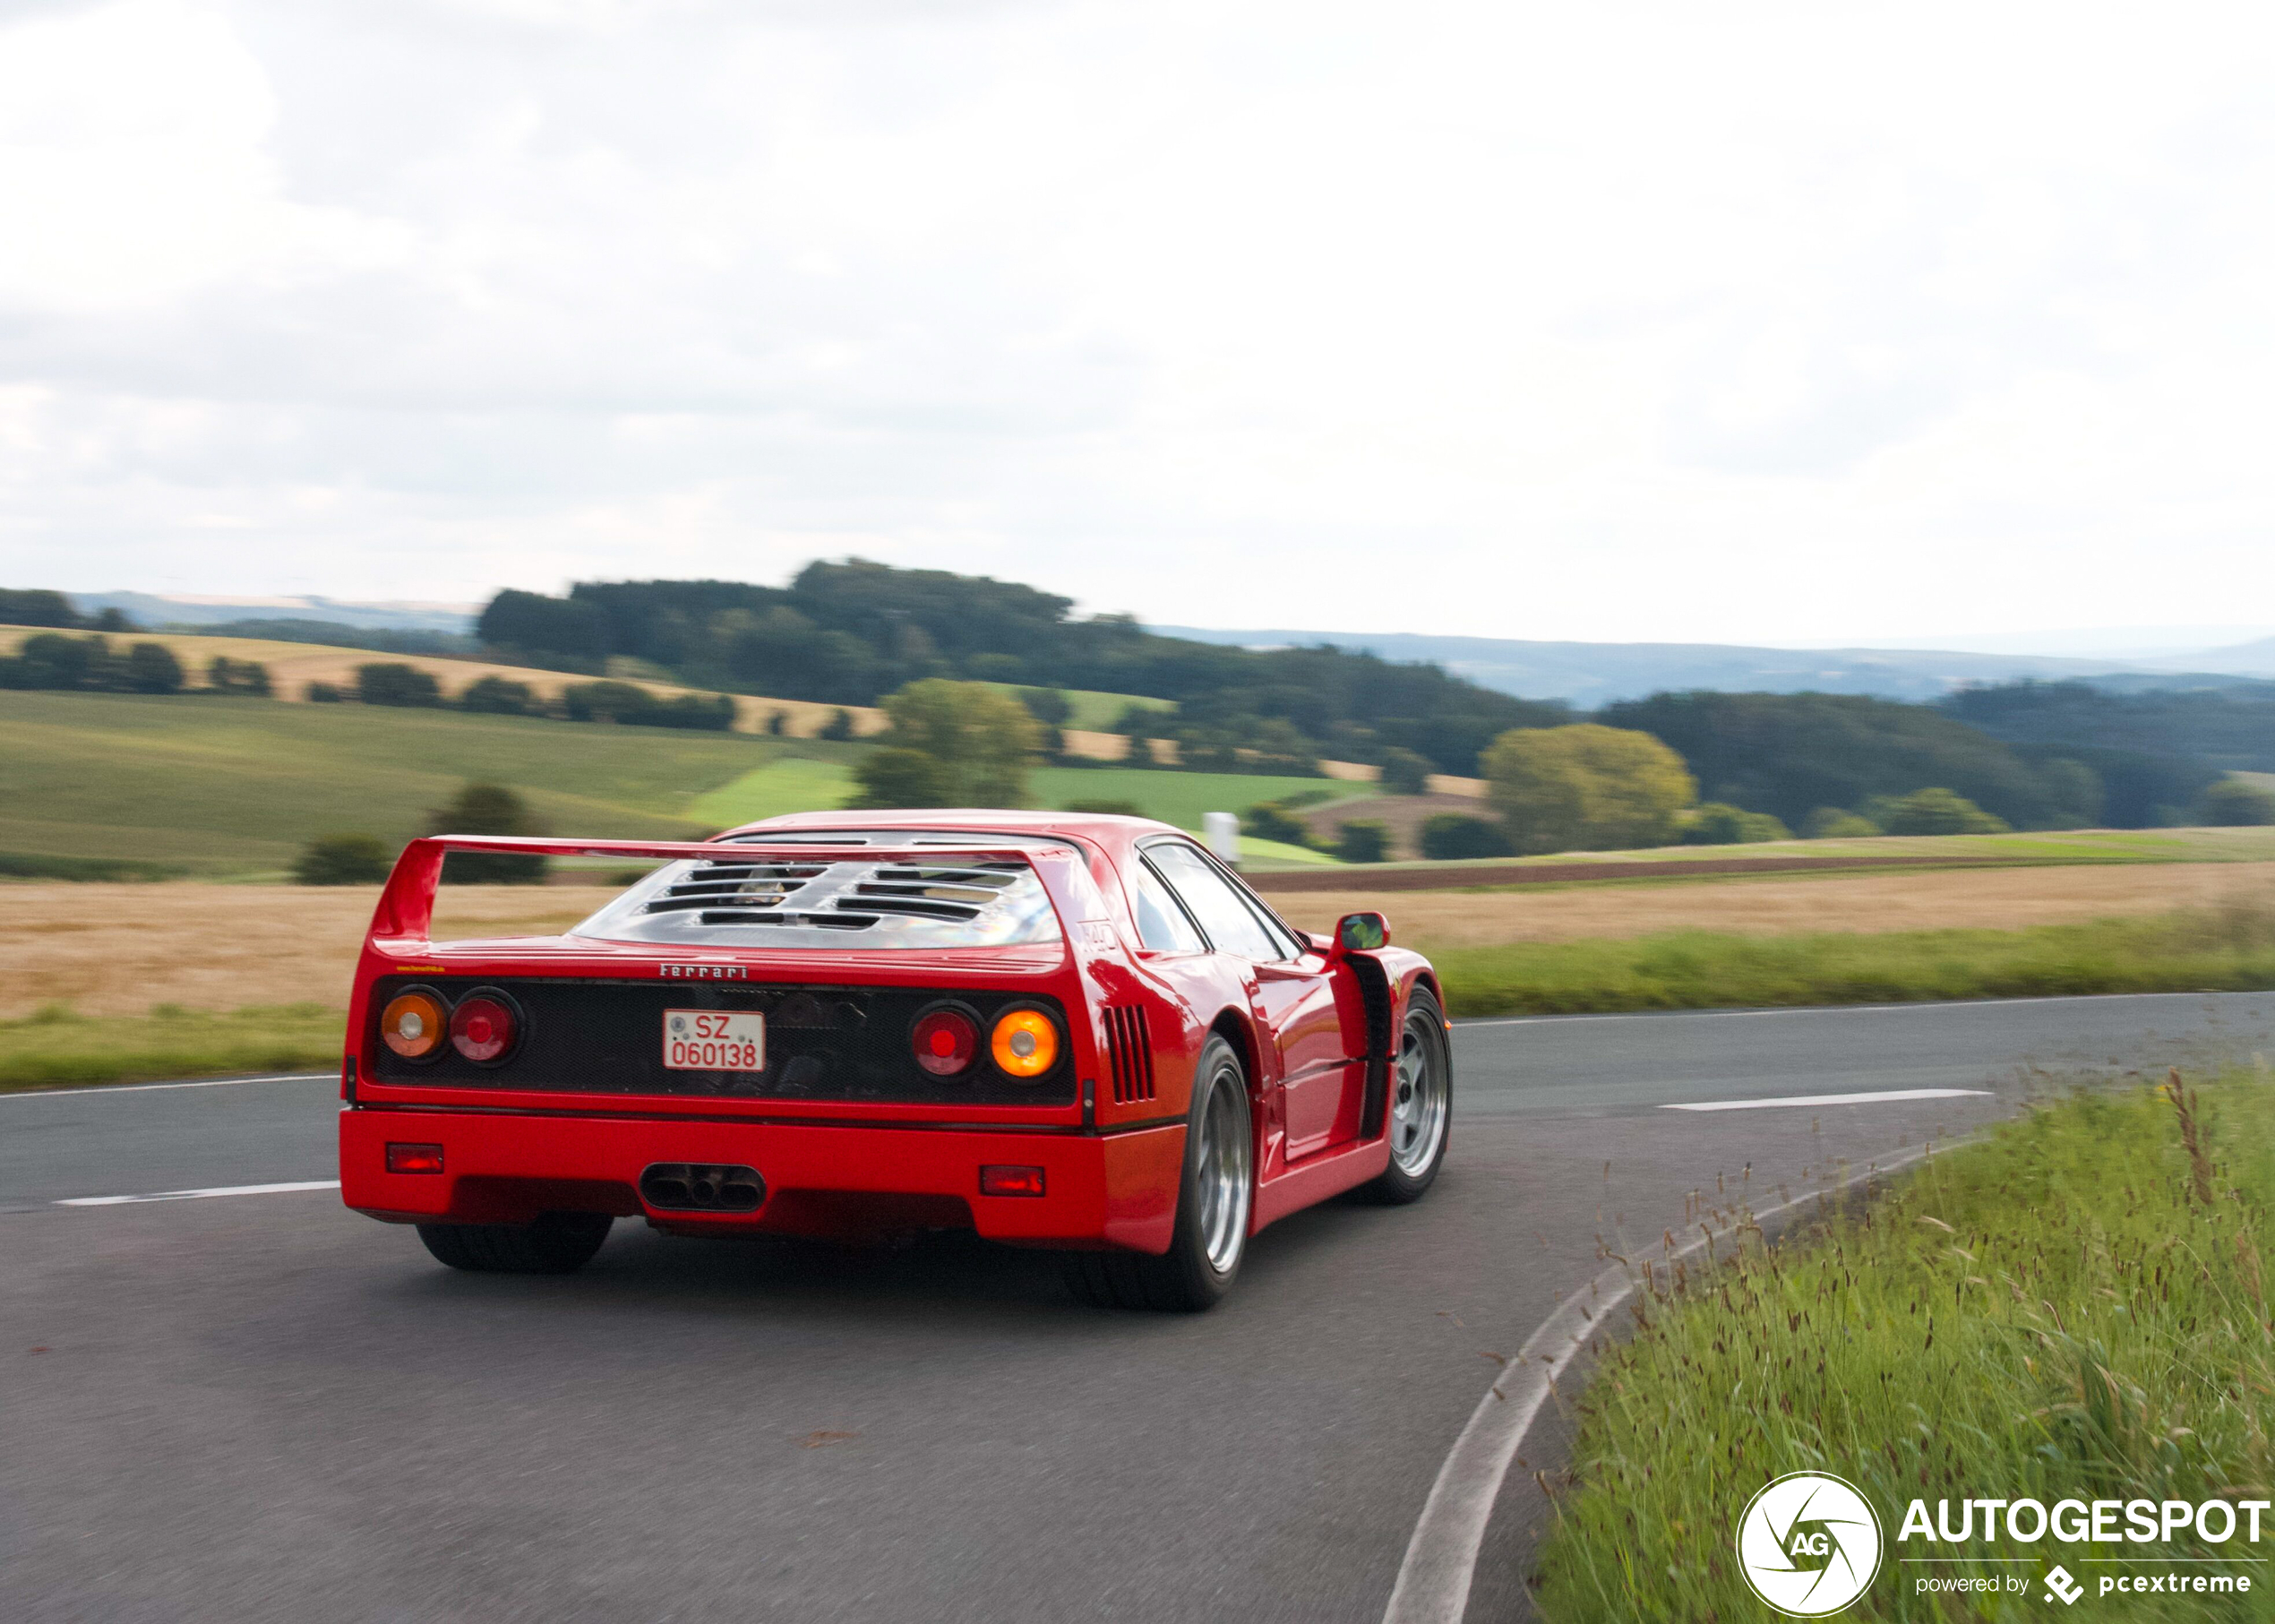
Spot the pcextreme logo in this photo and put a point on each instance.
(1808, 1543)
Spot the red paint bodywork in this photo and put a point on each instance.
(850, 1168)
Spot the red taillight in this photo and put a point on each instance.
(1010, 1181)
(945, 1041)
(413, 1158)
(483, 1029)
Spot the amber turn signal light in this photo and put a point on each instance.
(1026, 1044)
(413, 1024)
(1010, 1181)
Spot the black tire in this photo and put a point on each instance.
(557, 1243)
(1408, 1179)
(1186, 1278)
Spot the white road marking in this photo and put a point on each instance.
(1441, 1558)
(1831, 1099)
(1946, 1003)
(219, 1082)
(200, 1195)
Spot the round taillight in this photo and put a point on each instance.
(1026, 1044)
(483, 1027)
(413, 1025)
(945, 1041)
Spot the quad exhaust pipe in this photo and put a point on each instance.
(701, 1187)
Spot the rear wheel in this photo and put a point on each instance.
(557, 1243)
(1421, 1104)
(1213, 1202)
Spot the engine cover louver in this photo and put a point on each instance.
(1130, 1049)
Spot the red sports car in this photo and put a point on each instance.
(1059, 1030)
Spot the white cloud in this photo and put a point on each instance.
(1761, 322)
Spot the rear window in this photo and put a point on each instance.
(883, 893)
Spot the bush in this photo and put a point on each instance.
(1405, 772)
(777, 722)
(343, 860)
(895, 776)
(839, 726)
(2238, 802)
(1363, 840)
(487, 808)
(1717, 823)
(697, 712)
(51, 660)
(1112, 809)
(246, 677)
(1450, 837)
(151, 668)
(324, 693)
(604, 702)
(1270, 821)
(498, 696)
(1048, 706)
(1939, 812)
(388, 683)
(1833, 824)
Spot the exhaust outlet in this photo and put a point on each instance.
(701, 1187)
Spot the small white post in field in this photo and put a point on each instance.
(1223, 832)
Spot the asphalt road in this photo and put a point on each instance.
(263, 1406)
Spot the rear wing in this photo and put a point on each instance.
(406, 911)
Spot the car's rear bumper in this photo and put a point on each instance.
(1114, 1190)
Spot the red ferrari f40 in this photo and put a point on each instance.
(1067, 1031)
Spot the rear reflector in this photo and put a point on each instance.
(1010, 1181)
(413, 1158)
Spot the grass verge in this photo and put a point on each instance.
(2226, 950)
(56, 1047)
(2075, 1308)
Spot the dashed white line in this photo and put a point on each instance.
(200, 1195)
(217, 1082)
(1874, 1098)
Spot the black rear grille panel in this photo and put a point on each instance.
(1131, 1050)
(822, 1043)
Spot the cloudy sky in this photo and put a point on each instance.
(1754, 321)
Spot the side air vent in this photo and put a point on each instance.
(1130, 1052)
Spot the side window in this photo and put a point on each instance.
(1162, 923)
(1232, 927)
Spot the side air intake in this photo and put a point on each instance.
(1131, 1050)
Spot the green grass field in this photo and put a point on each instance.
(56, 1048)
(2076, 1309)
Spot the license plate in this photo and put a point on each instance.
(714, 1040)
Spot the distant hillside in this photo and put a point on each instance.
(1587, 676)
(157, 609)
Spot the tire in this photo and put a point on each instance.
(557, 1243)
(1214, 1196)
(1420, 1105)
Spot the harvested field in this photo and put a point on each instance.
(2004, 898)
(117, 950)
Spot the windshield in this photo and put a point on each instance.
(883, 894)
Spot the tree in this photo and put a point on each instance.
(487, 808)
(151, 668)
(983, 738)
(1405, 772)
(1939, 812)
(247, 677)
(1833, 824)
(342, 860)
(839, 726)
(1718, 823)
(51, 660)
(324, 693)
(498, 696)
(39, 608)
(1363, 840)
(1451, 837)
(1108, 808)
(1271, 821)
(1048, 706)
(382, 683)
(2236, 803)
(1585, 785)
(605, 701)
(898, 777)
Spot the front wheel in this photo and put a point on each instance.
(1421, 1104)
(557, 1243)
(1213, 1202)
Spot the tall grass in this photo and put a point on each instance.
(2230, 949)
(2076, 1308)
(59, 1047)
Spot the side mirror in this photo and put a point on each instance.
(1361, 932)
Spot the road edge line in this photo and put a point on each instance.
(213, 1082)
(1434, 1578)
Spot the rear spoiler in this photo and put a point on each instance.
(406, 908)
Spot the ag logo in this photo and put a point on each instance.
(1808, 1544)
